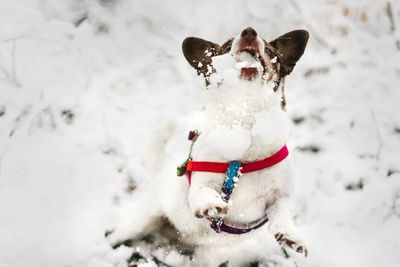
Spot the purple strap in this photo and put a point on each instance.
(218, 226)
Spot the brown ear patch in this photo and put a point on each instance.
(226, 47)
(198, 53)
(290, 47)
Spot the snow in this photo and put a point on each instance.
(227, 67)
(245, 60)
(148, 264)
(85, 85)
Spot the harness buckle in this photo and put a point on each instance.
(182, 169)
(216, 224)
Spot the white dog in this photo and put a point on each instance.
(245, 134)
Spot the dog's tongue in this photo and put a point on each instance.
(249, 67)
(232, 68)
(248, 73)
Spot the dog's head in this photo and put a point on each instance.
(252, 58)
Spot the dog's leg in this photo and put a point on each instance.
(282, 227)
(138, 219)
(204, 199)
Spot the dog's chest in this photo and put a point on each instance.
(244, 124)
(236, 105)
(256, 191)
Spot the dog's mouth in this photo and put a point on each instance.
(250, 62)
(247, 56)
(251, 50)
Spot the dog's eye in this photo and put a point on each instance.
(228, 48)
(271, 52)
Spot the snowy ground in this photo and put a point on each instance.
(83, 84)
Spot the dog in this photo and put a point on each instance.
(245, 126)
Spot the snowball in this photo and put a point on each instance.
(223, 62)
(148, 264)
(225, 69)
(228, 67)
(215, 78)
(245, 60)
(231, 77)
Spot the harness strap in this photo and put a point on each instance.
(267, 162)
(237, 231)
(218, 167)
(233, 170)
(218, 225)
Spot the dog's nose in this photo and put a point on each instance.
(249, 34)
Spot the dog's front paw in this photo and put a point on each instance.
(212, 208)
(291, 241)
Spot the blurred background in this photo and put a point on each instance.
(84, 84)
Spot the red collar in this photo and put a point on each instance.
(217, 167)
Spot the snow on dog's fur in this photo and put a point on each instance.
(245, 121)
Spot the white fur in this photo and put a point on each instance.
(243, 122)
(257, 112)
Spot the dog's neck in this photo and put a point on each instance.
(236, 105)
(243, 122)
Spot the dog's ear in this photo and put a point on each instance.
(290, 47)
(198, 53)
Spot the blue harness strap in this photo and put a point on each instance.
(232, 177)
(233, 171)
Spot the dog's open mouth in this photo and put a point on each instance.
(250, 63)
(244, 62)
(251, 50)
